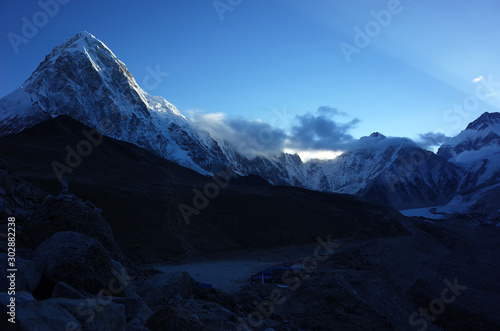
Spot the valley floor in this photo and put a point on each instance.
(377, 284)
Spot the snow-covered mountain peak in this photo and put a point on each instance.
(82, 42)
(479, 135)
(485, 121)
(85, 34)
(84, 63)
(83, 79)
(81, 48)
(477, 149)
(83, 38)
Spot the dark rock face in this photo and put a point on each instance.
(135, 308)
(63, 290)
(76, 259)
(169, 319)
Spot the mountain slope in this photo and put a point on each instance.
(477, 151)
(482, 133)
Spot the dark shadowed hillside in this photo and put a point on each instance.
(140, 195)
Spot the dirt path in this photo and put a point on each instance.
(228, 276)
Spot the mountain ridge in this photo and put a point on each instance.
(83, 79)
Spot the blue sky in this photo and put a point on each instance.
(274, 60)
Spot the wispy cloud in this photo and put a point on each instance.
(250, 138)
(319, 132)
(478, 79)
(329, 111)
(314, 135)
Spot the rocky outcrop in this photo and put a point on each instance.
(38, 315)
(135, 308)
(7, 185)
(71, 275)
(93, 314)
(161, 287)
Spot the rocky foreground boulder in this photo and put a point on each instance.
(76, 259)
(66, 212)
(38, 315)
(93, 316)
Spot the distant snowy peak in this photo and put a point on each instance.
(377, 143)
(477, 149)
(480, 135)
(387, 170)
(485, 122)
